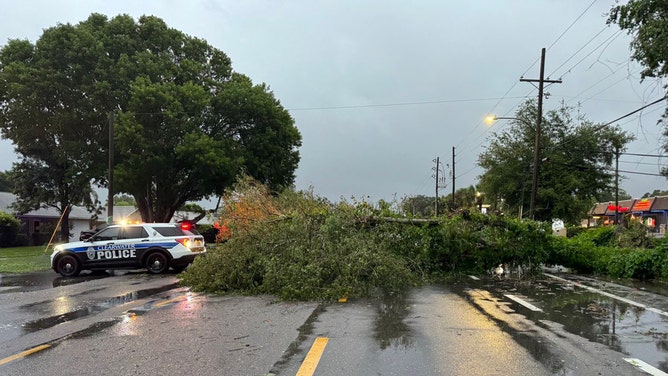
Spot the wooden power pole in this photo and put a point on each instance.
(536, 153)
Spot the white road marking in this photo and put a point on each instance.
(474, 278)
(523, 302)
(609, 295)
(646, 367)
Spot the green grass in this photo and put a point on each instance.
(24, 259)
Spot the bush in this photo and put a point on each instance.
(615, 251)
(9, 229)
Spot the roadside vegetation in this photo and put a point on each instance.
(625, 251)
(298, 246)
(23, 259)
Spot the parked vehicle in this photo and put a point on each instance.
(154, 246)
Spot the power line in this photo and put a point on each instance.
(466, 172)
(633, 112)
(645, 155)
(640, 173)
(597, 83)
(578, 51)
(572, 23)
(637, 163)
(525, 72)
(396, 104)
(561, 35)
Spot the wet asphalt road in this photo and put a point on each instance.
(133, 323)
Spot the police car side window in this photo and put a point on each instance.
(169, 231)
(112, 233)
(135, 233)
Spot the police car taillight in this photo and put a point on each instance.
(185, 241)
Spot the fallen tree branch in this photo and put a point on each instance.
(408, 221)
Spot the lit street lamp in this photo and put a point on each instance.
(479, 200)
(536, 157)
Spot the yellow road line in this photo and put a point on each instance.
(313, 357)
(173, 300)
(23, 354)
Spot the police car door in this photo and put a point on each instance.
(100, 251)
(134, 242)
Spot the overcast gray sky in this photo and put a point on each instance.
(379, 89)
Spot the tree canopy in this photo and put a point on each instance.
(184, 123)
(647, 22)
(655, 193)
(6, 182)
(576, 164)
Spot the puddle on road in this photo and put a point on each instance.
(390, 329)
(27, 282)
(70, 314)
(632, 330)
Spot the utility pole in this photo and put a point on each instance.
(616, 185)
(110, 197)
(436, 201)
(453, 178)
(536, 153)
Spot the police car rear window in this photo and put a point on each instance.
(170, 231)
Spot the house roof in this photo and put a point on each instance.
(660, 203)
(624, 206)
(131, 214)
(643, 204)
(599, 209)
(7, 199)
(208, 219)
(126, 213)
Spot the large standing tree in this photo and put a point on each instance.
(184, 123)
(576, 164)
(48, 108)
(647, 22)
(6, 181)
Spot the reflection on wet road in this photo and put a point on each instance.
(35, 307)
(629, 317)
(89, 309)
(420, 331)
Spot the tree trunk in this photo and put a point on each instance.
(65, 225)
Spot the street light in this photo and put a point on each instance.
(536, 156)
(492, 118)
(479, 200)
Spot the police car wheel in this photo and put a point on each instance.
(157, 263)
(68, 266)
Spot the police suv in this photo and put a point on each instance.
(154, 246)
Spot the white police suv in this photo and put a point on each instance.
(154, 246)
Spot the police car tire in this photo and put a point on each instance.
(68, 266)
(157, 262)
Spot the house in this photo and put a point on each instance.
(130, 214)
(38, 225)
(651, 211)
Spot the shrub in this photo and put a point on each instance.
(614, 251)
(9, 229)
